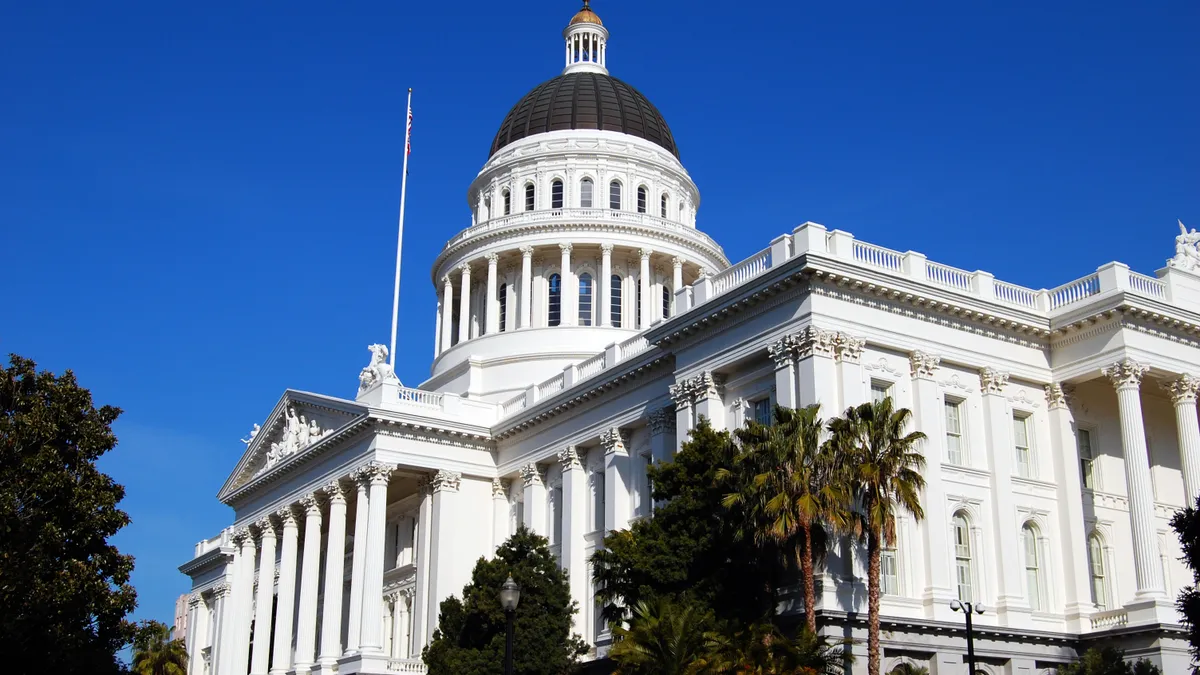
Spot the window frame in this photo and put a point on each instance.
(964, 558)
(587, 191)
(614, 195)
(615, 306)
(1023, 455)
(642, 198)
(554, 299)
(958, 405)
(889, 582)
(507, 198)
(888, 387)
(586, 298)
(1098, 580)
(598, 504)
(1033, 564)
(1089, 478)
(755, 409)
(530, 197)
(502, 300)
(556, 193)
(664, 204)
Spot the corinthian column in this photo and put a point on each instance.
(604, 286)
(1126, 376)
(570, 288)
(574, 505)
(372, 599)
(281, 661)
(493, 300)
(1183, 395)
(243, 594)
(306, 632)
(442, 542)
(447, 313)
(261, 655)
(358, 563)
(335, 569)
(526, 298)
(616, 479)
(464, 303)
(644, 285)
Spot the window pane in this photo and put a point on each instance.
(585, 193)
(585, 299)
(641, 199)
(954, 439)
(615, 300)
(556, 513)
(554, 316)
(762, 411)
(1020, 432)
(889, 577)
(507, 203)
(663, 207)
(503, 307)
(598, 501)
(879, 391)
(1021, 443)
(556, 195)
(666, 304)
(529, 204)
(614, 196)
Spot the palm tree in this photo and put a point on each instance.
(155, 653)
(885, 466)
(783, 484)
(663, 638)
(762, 649)
(909, 669)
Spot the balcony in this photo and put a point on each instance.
(581, 215)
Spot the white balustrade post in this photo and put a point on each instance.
(243, 593)
(1064, 445)
(464, 302)
(604, 285)
(499, 513)
(335, 570)
(493, 300)
(447, 313)
(616, 479)
(310, 574)
(261, 655)
(358, 562)
(574, 560)
(371, 640)
(285, 606)
(1126, 376)
(570, 288)
(1183, 397)
(928, 416)
(526, 286)
(535, 499)
(998, 428)
(644, 286)
(442, 542)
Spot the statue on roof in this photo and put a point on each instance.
(1187, 249)
(377, 370)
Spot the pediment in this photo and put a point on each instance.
(298, 423)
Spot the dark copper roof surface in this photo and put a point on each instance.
(585, 101)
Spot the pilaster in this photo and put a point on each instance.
(574, 482)
(1077, 594)
(709, 392)
(535, 499)
(936, 591)
(500, 531)
(783, 353)
(526, 299)
(616, 479)
(443, 554)
(817, 379)
(848, 351)
(1010, 594)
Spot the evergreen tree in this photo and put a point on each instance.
(64, 590)
(1108, 661)
(471, 631)
(1186, 524)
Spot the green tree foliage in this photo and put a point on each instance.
(762, 649)
(64, 590)
(1186, 524)
(471, 631)
(690, 548)
(885, 470)
(1108, 661)
(909, 669)
(155, 653)
(664, 638)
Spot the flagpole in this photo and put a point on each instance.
(400, 231)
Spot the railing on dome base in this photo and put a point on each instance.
(592, 215)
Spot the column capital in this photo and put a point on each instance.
(645, 253)
(662, 421)
(335, 492)
(446, 281)
(923, 364)
(565, 248)
(813, 341)
(606, 249)
(1125, 374)
(677, 262)
(241, 535)
(530, 475)
(615, 441)
(221, 590)
(568, 458)
(374, 473)
(287, 517)
(1059, 395)
(492, 258)
(499, 489)
(703, 273)
(782, 351)
(1182, 389)
(992, 381)
(526, 251)
(311, 505)
(194, 600)
(464, 268)
(446, 481)
(681, 393)
(266, 527)
(708, 385)
(849, 348)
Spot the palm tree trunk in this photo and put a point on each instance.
(873, 554)
(810, 586)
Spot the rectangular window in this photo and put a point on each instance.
(955, 448)
(762, 411)
(880, 391)
(644, 485)
(1084, 439)
(556, 195)
(889, 574)
(615, 301)
(614, 196)
(529, 201)
(1024, 457)
(641, 200)
(556, 515)
(585, 194)
(598, 501)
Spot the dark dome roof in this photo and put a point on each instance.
(585, 101)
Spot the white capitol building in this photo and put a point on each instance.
(585, 324)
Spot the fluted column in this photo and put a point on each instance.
(1126, 376)
(574, 505)
(616, 479)
(604, 286)
(243, 599)
(285, 606)
(526, 286)
(195, 616)
(644, 285)
(261, 655)
(570, 289)
(447, 313)
(372, 599)
(464, 302)
(499, 513)
(420, 618)
(220, 641)
(310, 568)
(676, 280)
(535, 499)
(442, 542)
(335, 570)
(358, 563)
(493, 300)
(1183, 396)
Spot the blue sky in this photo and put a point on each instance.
(198, 201)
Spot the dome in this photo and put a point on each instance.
(586, 15)
(584, 100)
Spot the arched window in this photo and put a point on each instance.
(554, 316)
(641, 195)
(585, 299)
(529, 203)
(962, 557)
(1098, 572)
(556, 194)
(507, 203)
(614, 300)
(585, 193)
(614, 196)
(666, 306)
(662, 210)
(1033, 568)
(503, 307)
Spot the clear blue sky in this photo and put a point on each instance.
(198, 200)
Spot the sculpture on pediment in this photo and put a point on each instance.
(1187, 249)
(253, 433)
(298, 433)
(377, 370)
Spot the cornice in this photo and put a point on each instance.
(207, 560)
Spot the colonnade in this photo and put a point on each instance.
(507, 300)
(302, 601)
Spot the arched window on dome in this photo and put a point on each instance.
(641, 199)
(507, 203)
(585, 299)
(637, 305)
(614, 302)
(666, 302)
(662, 210)
(963, 564)
(556, 194)
(503, 307)
(1033, 566)
(529, 203)
(614, 196)
(554, 315)
(585, 193)
(1097, 571)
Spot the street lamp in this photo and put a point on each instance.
(510, 595)
(968, 609)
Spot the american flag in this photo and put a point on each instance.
(408, 134)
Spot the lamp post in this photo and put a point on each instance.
(968, 609)
(510, 595)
